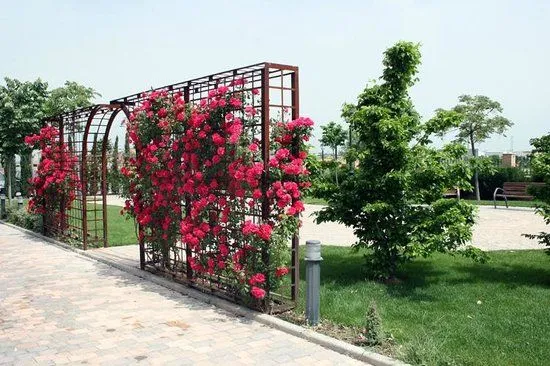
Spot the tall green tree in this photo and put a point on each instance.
(481, 118)
(114, 173)
(69, 97)
(334, 135)
(540, 165)
(124, 184)
(26, 171)
(392, 193)
(21, 112)
(93, 167)
(126, 147)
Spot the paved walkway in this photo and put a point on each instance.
(495, 229)
(58, 307)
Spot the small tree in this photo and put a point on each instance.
(93, 166)
(123, 180)
(540, 165)
(126, 147)
(114, 173)
(26, 171)
(481, 118)
(333, 136)
(392, 193)
(373, 334)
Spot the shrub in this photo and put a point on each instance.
(540, 162)
(373, 333)
(22, 218)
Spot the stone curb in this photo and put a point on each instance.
(333, 344)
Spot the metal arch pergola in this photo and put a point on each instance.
(278, 100)
(85, 223)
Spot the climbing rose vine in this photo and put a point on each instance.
(206, 155)
(53, 188)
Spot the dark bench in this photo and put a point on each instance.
(517, 190)
(453, 192)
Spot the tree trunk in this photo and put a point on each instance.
(336, 153)
(7, 170)
(322, 154)
(476, 176)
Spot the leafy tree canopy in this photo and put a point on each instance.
(540, 165)
(334, 135)
(391, 193)
(481, 118)
(21, 111)
(69, 97)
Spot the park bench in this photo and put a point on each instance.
(453, 192)
(516, 190)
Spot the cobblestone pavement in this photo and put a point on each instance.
(57, 307)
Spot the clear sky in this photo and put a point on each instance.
(497, 48)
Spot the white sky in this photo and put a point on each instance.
(497, 48)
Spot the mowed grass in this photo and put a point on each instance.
(511, 203)
(314, 201)
(434, 315)
(120, 230)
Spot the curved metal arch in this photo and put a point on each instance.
(83, 177)
(79, 125)
(104, 163)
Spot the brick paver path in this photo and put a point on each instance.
(58, 307)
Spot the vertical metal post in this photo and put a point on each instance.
(313, 278)
(84, 176)
(140, 240)
(19, 200)
(295, 256)
(104, 162)
(265, 158)
(188, 251)
(60, 227)
(2, 206)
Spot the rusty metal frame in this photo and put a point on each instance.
(278, 100)
(76, 128)
(279, 86)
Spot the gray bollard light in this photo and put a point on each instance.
(313, 278)
(19, 200)
(2, 206)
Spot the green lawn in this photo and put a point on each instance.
(502, 203)
(121, 231)
(314, 201)
(434, 315)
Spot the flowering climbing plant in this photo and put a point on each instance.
(54, 186)
(239, 211)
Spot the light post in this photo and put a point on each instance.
(313, 278)
(2, 206)
(19, 200)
